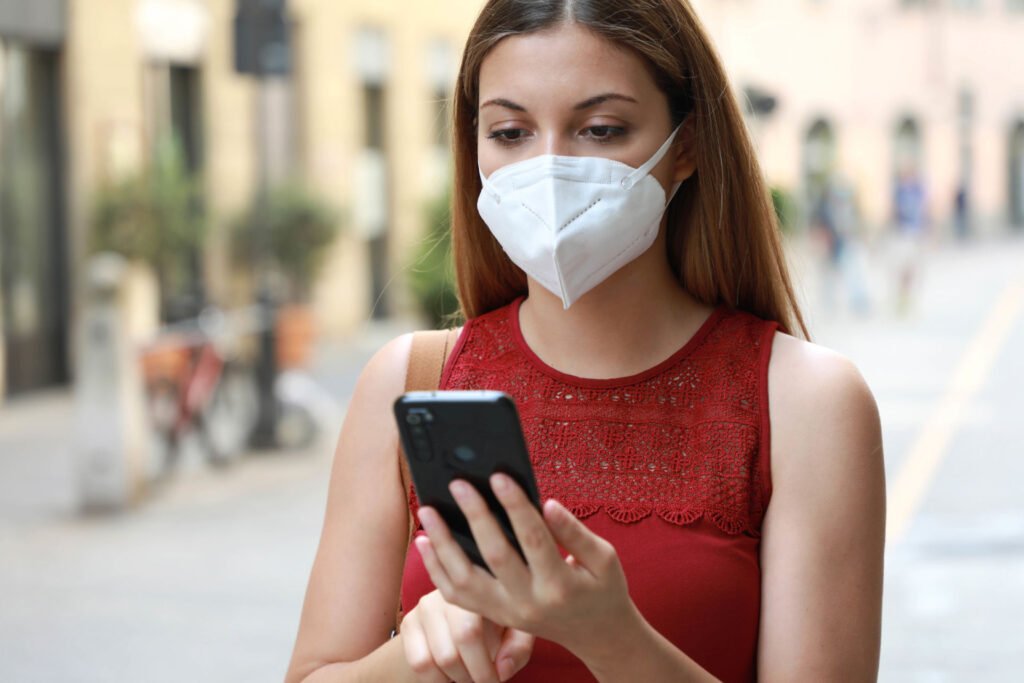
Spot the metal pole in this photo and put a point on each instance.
(264, 434)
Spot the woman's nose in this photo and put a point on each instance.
(556, 143)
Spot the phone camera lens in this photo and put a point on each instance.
(413, 419)
(464, 453)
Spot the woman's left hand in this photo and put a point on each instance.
(580, 602)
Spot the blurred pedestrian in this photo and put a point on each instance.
(911, 227)
(622, 278)
(961, 216)
(836, 218)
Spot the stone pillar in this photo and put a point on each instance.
(112, 441)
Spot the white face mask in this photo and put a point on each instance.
(570, 222)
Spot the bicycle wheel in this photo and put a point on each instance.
(227, 420)
(163, 401)
(296, 427)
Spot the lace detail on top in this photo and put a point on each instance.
(685, 440)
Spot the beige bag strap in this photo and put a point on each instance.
(430, 351)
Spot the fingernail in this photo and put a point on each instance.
(426, 519)
(500, 483)
(506, 668)
(459, 489)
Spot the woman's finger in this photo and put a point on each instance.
(495, 548)
(531, 531)
(442, 646)
(470, 633)
(588, 550)
(514, 652)
(438, 575)
(417, 651)
(465, 579)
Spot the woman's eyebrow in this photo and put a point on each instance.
(585, 104)
(600, 99)
(499, 102)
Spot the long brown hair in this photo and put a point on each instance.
(722, 236)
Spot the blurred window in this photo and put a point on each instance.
(819, 161)
(174, 111)
(440, 66)
(1016, 175)
(908, 148)
(174, 121)
(372, 191)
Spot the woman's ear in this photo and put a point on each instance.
(685, 148)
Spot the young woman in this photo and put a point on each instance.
(714, 485)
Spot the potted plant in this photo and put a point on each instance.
(155, 218)
(289, 231)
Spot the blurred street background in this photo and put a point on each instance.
(212, 212)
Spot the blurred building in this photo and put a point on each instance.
(864, 88)
(88, 89)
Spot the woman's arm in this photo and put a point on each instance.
(822, 540)
(824, 533)
(350, 603)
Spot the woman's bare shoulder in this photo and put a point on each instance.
(820, 404)
(804, 372)
(383, 377)
(385, 372)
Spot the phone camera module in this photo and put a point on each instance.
(413, 419)
(464, 454)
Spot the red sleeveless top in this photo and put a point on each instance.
(670, 465)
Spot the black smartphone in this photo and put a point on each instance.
(466, 435)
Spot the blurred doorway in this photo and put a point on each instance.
(908, 150)
(1016, 193)
(33, 248)
(174, 110)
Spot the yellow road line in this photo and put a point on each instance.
(918, 469)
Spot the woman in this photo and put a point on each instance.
(702, 535)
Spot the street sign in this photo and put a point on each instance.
(262, 38)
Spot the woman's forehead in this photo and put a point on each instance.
(568, 63)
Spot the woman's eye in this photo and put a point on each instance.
(604, 133)
(508, 136)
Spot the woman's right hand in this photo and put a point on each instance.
(444, 643)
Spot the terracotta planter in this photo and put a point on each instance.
(166, 359)
(296, 331)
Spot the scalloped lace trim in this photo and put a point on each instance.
(632, 515)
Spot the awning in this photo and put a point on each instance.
(35, 22)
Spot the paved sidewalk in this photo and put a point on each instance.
(203, 581)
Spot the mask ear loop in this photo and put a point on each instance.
(486, 185)
(633, 178)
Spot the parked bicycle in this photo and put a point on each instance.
(197, 384)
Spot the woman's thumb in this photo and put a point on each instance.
(513, 653)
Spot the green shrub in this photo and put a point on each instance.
(785, 209)
(155, 216)
(294, 228)
(432, 277)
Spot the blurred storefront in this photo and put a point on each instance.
(866, 88)
(33, 232)
(89, 92)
